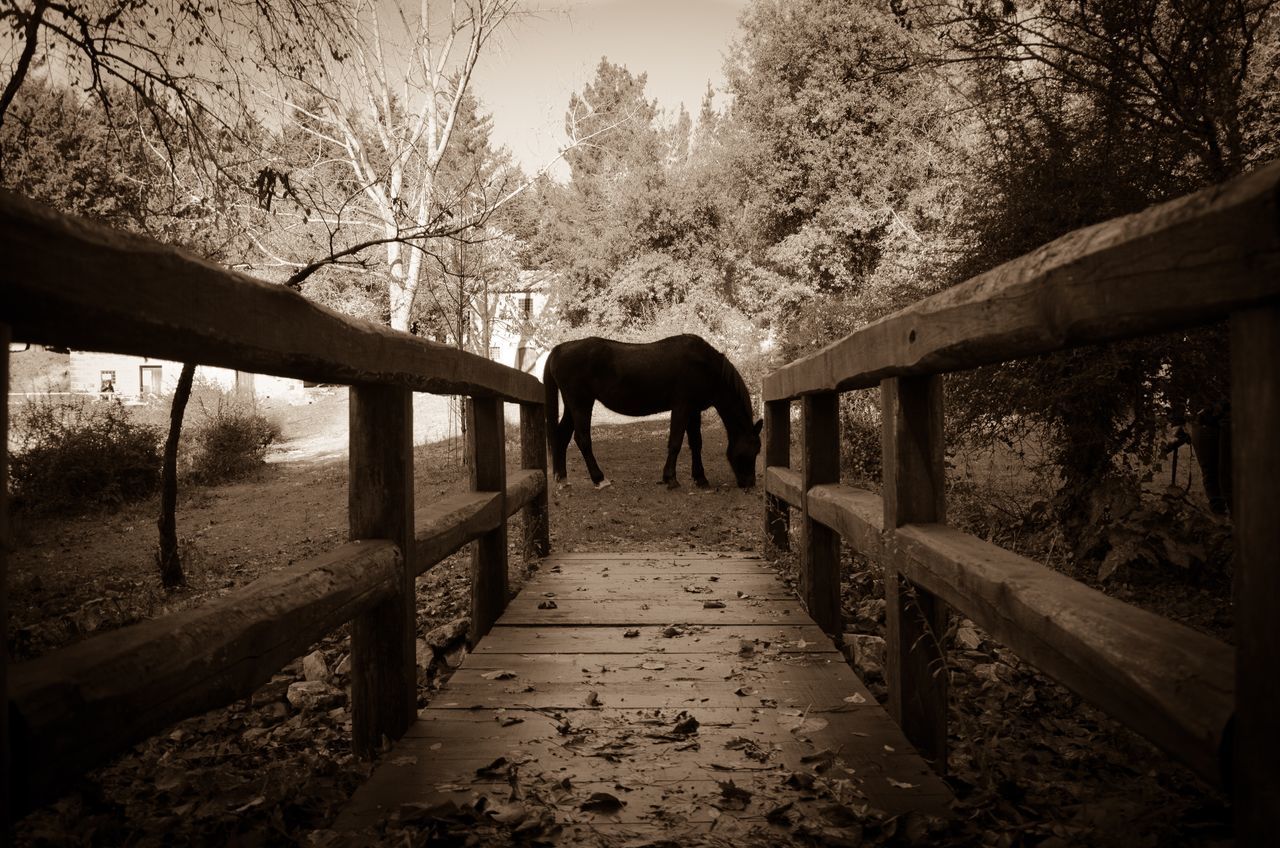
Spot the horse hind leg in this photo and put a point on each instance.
(582, 435)
(695, 449)
(679, 420)
(560, 448)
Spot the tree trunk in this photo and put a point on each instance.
(167, 556)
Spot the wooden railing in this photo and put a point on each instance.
(1202, 258)
(70, 283)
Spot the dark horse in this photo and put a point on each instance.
(683, 374)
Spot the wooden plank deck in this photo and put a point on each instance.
(613, 674)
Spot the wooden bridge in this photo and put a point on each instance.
(619, 699)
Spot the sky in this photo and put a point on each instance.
(538, 60)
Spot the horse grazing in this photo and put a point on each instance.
(682, 374)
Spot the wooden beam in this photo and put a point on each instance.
(444, 526)
(856, 514)
(164, 302)
(77, 707)
(6, 788)
(820, 555)
(785, 484)
(1255, 426)
(915, 620)
(384, 679)
(777, 454)
(533, 456)
(1165, 681)
(488, 451)
(1181, 263)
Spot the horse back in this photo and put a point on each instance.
(639, 379)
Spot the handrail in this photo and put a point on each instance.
(69, 282)
(1210, 255)
(1186, 262)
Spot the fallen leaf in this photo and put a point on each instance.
(593, 699)
(900, 784)
(855, 698)
(732, 796)
(779, 814)
(631, 634)
(713, 604)
(499, 675)
(547, 605)
(686, 725)
(602, 802)
(507, 721)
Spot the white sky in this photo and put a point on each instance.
(538, 60)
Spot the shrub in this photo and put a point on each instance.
(231, 442)
(71, 456)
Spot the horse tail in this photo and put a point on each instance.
(552, 399)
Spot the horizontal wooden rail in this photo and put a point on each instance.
(1168, 682)
(74, 708)
(69, 282)
(1171, 684)
(1182, 263)
(447, 524)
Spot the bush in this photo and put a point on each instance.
(231, 442)
(75, 455)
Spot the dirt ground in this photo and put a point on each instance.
(1032, 764)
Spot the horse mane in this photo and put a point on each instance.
(737, 387)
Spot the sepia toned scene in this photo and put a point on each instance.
(640, 423)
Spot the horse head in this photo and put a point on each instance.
(744, 447)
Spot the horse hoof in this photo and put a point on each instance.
(673, 483)
(604, 484)
(702, 484)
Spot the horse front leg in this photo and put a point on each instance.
(582, 435)
(695, 448)
(679, 419)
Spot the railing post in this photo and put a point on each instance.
(533, 455)
(384, 678)
(820, 463)
(915, 620)
(6, 752)
(488, 449)
(1255, 458)
(777, 452)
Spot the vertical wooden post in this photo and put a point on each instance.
(1255, 455)
(915, 620)
(533, 455)
(777, 452)
(820, 463)
(487, 439)
(384, 678)
(6, 758)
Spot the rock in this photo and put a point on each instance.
(967, 638)
(424, 654)
(312, 694)
(270, 693)
(315, 669)
(344, 667)
(868, 654)
(454, 658)
(444, 636)
(869, 615)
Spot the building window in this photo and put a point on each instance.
(152, 379)
(526, 306)
(106, 382)
(495, 353)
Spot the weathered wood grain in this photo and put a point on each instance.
(167, 303)
(668, 609)
(600, 708)
(1167, 682)
(487, 442)
(777, 453)
(820, 545)
(76, 707)
(1181, 263)
(914, 484)
(856, 514)
(784, 483)
(6, 816)
(380, 506)
(1255, 426)
(533, 457)
(446, 524)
